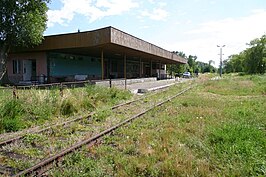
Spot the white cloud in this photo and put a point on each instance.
(155, 14)
(151, 1)
(213, 2)
(92, 9)
(144, 27)
(232, 32)
(162, 4)
(157, 11)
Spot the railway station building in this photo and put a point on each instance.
(91, 55)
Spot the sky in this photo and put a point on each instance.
(194, 27)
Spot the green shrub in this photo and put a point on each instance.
(118, 95)
(67, 108)
(33, 139)
(101, 115)
(11, 114)
(11, 109)
(11, 125)
(88, 105)
(242, 74)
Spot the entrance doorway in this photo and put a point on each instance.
(29, 70)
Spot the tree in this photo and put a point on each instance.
(177, 68)
(192, 63)
(205, 67)
(228, 67)
(174, 69)
(256, 56)
(252, 60)
(22, 25)
(181, 54)
(210, 67)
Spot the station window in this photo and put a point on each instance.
(114, 66)
(16, 66)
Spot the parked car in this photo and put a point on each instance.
(186, 75)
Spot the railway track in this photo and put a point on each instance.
(26, 154)
(35, 130)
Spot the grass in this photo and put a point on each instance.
(239, 86)
(216, 129)
(35, 107)
(241, 147)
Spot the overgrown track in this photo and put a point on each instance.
(10, 149)
(40, 130)
(73, 132)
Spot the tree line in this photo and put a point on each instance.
(250, 61)
(192, 65)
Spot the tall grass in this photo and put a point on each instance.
(10, 114)
(217, 129)
(35, 107)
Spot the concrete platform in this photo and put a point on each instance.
(150, 86)
(142, 85)
(121, 82)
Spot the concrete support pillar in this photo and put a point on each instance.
(102, 64)
(125, 70)
(151, 69)
(109, 72)
(110, 67)
(160, 66)
(140, 68)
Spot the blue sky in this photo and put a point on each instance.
(195, 27)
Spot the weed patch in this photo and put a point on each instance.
(101, 115)
(33, 139)
(240, 146)
(36, 107)
(11, 114)
(67, 108)
(216, 129)
(238, 86)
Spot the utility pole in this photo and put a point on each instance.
(221, 58)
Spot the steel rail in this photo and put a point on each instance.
(9, 141)
(47, 163)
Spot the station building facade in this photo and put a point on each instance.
(91, 55)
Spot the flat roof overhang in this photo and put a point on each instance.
(113, 42)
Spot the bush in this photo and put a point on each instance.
(242, 74)
(88, 105)
(67, 108)
(11, 113)
(11, 125)
(11, 109)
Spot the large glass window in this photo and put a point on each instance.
(16, 66)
